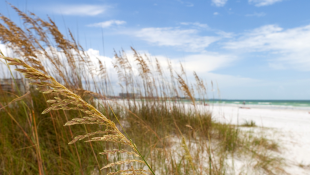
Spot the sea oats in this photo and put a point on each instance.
(69, 98)
(188, 156)
(120, 163)
(123, 172)
(184, 87)
(118, 151)
(81, 137)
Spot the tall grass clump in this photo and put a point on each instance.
(64, 99)
(157, 126)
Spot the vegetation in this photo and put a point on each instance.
(71, 99)
(249, 123)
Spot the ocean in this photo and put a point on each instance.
(279, 104)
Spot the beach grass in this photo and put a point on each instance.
(249, 123)
(162, 129)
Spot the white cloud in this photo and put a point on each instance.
(80, 10)
(216, 13)
(207, 62)
(106, 24)
(260, 3)
(219, 3)
(290, 48)
(225, 34)
(273, 37)
(195, 24)
(261, 14)
(188, 39)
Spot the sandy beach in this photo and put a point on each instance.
(290, 128)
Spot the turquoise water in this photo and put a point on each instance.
(298, 104)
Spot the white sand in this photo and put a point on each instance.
(292, 126)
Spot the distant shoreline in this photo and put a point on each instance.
(297, 108)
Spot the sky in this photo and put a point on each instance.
(253, 49)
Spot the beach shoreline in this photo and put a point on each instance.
(255, 106)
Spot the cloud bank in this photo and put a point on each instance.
(290, 47)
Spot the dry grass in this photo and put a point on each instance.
(64, 99)
(157, 133)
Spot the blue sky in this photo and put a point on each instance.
(253, 49)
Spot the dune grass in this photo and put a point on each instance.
(249, 123)
(71, 99)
